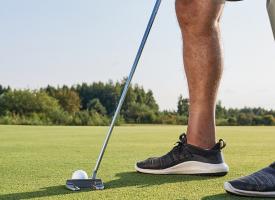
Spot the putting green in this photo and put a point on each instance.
(36, 161)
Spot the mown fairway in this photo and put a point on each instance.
(36, 161)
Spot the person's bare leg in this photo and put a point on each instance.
(203, 63)
(199, 22)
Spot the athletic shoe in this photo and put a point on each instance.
(187, 159)
(259, 184)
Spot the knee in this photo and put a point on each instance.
(198, 17)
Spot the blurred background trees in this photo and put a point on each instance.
(94, 104)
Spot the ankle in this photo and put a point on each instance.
(201, 141)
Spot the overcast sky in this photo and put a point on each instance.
(68, 42)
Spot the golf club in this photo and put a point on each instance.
(94, 183)
(271, 12)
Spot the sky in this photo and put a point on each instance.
(69, 42)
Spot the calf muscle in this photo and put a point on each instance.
(203, 64)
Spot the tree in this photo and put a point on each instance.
(268, 120)
(139, 113)
(232, 121)
(106, 93)
(183, 106)
(134, 95)
(244, 119)
(25, 102)
(257, 120)
(95, 105)
(82, 118)
(220, 110)
(68, 99)
(4, 89)
(50, 90)
(150, 101)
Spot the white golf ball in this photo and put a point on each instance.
(80, 174)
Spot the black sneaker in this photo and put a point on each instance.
(259, 184)
(187, 159)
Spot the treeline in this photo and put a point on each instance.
(81, 104)
(244, 117)
(94, 104)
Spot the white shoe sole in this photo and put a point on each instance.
(190, 167)
(229, 188)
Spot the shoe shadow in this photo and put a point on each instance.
(226, 196)
(128, 179)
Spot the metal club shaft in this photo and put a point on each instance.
(126, 87)
(271, 12)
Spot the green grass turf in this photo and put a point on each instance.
(36, 161)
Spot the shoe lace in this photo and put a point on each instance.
(181, 145)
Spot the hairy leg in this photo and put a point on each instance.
(203, 63)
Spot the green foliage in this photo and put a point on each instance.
(86, 118)
(81, 118)
(60, 117)
(183, 105)
(108, 94)
(150, 101)
(25, 102)
(268, 120)
(167, 117)
(4, 89)
(221, 111)
(221, 122)
(244, 119)
(98, 120)
(68, 99)
(232, 121)
(94, 104)
(139, 113)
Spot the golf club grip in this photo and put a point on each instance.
(128, 82)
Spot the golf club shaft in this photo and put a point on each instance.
(271, 12)
(127, 84)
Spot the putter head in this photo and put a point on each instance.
(78, 184)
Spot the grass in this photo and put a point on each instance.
(36, 161)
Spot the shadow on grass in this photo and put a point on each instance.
(227, 196)
(128, 179)
(125, 179)
(43, 192)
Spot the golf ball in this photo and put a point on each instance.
(80, 174)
